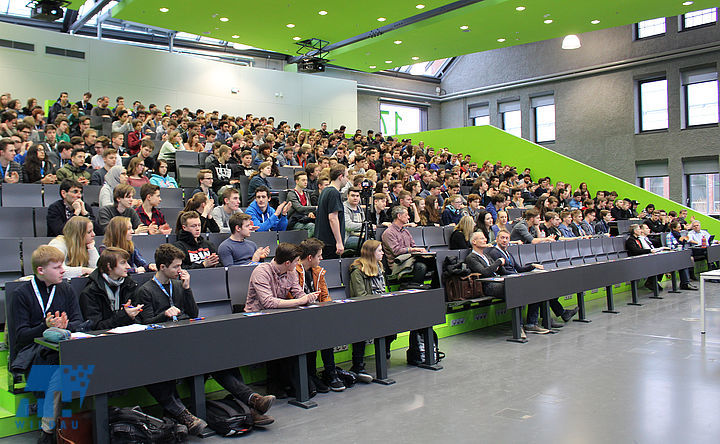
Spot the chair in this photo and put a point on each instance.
(171, 215)
(514, 251)
(238, 282)
(378, 233)
(91, 195)
(146, 244)
(217, 238)
(41, 221)
(345, 274)
(30, 244)
(22, 195)
(447, 232)
(515, 213)
(51, 193)
(78, 284)
(201, 158)
(609, 248)
(572, 249)
(244, 187)
(333, 278)
(619, 246)
(265, 239)
(171, 197)
(544, 255)
(434, 237)
(465, 189)
(596, 245)
(292, 236)
(586, 251)
(16, 222)
(526, 254)
(417, 235)
(277, 183)
(186, 158)
(141, 278)
(209, 284)
(187, 194)
(440, 260)
(187, 176)
(10, 263)
(216, 308)
(559, 255)
(288, 171)
(10, 289)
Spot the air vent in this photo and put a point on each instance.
(64, 52)
(17, 45)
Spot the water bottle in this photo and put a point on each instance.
(703, 242)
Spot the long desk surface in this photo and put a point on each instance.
(713, 253)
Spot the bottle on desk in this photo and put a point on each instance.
(703, 242)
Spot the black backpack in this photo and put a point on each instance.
(416, 352)
(132, 426)
(229, 417)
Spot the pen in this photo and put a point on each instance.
(198, 319)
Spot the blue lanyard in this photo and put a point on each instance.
(2, 170)
(169, 295)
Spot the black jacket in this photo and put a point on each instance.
(196, 251)
(656, 226)
(511, 266)
(156, 302)
(57, 217)
(477, 265)
(634, 247)
(458, 242)
(95, 303)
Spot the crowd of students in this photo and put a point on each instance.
(346, 189)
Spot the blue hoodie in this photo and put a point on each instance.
(266, 221)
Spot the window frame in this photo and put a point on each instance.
(684, 27)
(639, 83)
(686, 83)
(542, 101)
(636, 30)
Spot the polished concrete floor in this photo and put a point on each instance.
(642, 376)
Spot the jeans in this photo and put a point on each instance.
(533, 313)
(358, 351)
(328, 359)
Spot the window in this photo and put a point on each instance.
(699, 18)
(511, 117)
(700, 91)
(657, 185)
(653, 104)
(649, 28)
(479, 115)
(702, 183)
(654, 177)
(401, 119)
(544, 117)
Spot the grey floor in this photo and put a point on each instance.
(643, 376)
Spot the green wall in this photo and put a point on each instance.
(490, 143)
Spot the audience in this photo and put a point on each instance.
(123, 206)
(77, 245)
(118, 234)
(265, 217)
(69, 205)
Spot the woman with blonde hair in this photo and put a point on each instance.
(460, 237)
(193, 142)
(171, 145)
(501, 223)
(366, 278)
(77, 243)
(118, 234)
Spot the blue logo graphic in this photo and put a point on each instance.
(71, 382)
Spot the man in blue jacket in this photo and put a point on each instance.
(265, 217)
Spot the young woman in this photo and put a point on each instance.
(382, 187)
(37, 169)
(420, 206)
(484, 224)
(460, 237)
(414, 188)
(77, 243)
(113, 178)
(203, 206)
(501, 223)
(161, 178)
(135, 169)
(430, 216)
(260, 178)
(366, 278)
(118, 234)
(452, 210)
(171, 145)
(193, 143)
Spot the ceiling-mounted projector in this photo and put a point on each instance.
(47, 10)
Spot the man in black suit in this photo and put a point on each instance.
(70, 204)
(479, 262)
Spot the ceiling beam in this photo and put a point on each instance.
(97, 7)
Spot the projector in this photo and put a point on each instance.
(311, 65)
(48, 10)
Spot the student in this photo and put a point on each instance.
(37, 169)
(77, 244)
(301, 214)
(122, 206)
(366, 278)
(460, 237)
(42, 302)
(136, 170)
(69, 205)
(379, 216)
(204, 207)
(198, 251)
(109, 157)
(260, 178)
(119, 234)
(168, 297)
(148, 212)
(230, 206)
(238, 249)
(75, 170)
(171, 145)
(205, 182)
(161, 178)
(330, 220)
(354, 218)
(146, 149)
(265, 217)
(223, 172)
(452, 210)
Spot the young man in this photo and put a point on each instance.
(148, 212)
(198, 251)
(10, 171)
(265, 217)
(109, 157)
(146, 148)
(238, 249)
(330, 220)
(118, 142)
(379, 214)
(223, 173)
(230, 206)
(527, 229)
(75, 170)
(122, 206)
(205, 182)
(354, 218)
(70, 204)
(42, 302)
(676, 241)
(168, 297)
(588, 222)
(245, 167)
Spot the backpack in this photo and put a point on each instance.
(416, 351)
(129, 425)
(228, 416)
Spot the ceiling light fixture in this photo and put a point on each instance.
(520, 8)
(397, 42)
(687, 3)
(164, 9)
(501, 40)
(571, 42)
(296, 38)
(224, 19)
(373, 66)
(388, 61)
(420, 6)
(381, 19)
(595, 22)
(416, 58)
(236, 36)
(290, 25)
(464, 27)
(548, 21)
(322, 12)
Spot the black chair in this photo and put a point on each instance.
(30, 244)
(572, 249)
(288, 171)
(201, 158)
(141, 278)
(187, 194)
(11, 336)
(22, 195)
(78, 284)
(244, 188)
(544, 255)
(146, 244)
(586, 251)
(417, 235)
(171, 198)
(217, 238)
(16, 222)
(186, 158)
(171, 216)
(213, 309)
(91, 195)
(10, 263)
(619, 246)
(557, 250)
(209, 284)
(434, 238)
(238, 282)
(345, 273)
(440, 260)
(514, 251)
(277, 183)
(515, 213)
(596, 245)
(464, 253)
(333, 278)
(447, 232)
(378, 233)
(265, 239)
(51, 193)
(526, 254)
(292, 236)
(187, 176)
(41, 221)
(609, 248)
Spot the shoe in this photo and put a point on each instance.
(568, 314)
(694, 278)
(279, 391)
(312, 390)
(388, 355)
(333, 381)
(261, 403)
(320, 386)
(688, 286)
(46, 438)
(261, 420)
(362, 375)
(194, 424)
(522, 334)
(536, 329)
(555, 324)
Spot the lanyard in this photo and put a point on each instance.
(4, 171)
(169, 295)
(39, 298)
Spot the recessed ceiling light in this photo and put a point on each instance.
(548, 21)
(388, 61)
(322, 12)
(687, 3)
(373, 66)
(595, 22)
(224, 19)
(420, 6)
(296, 38)
(571, 42)
(520, 8)
(290, 25)
(464, 27)
(500, 40)
(164, 9)
(397, 42)
(381, 19)
(236, 36)
(416, 58)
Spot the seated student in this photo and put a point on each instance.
(161, 178)
(301, 214)
(146, 149)
(40, 303)
(479, 262)
(366, 278)
(77, 244)
(676, 241)
(198, 251)
(37, 168)
(379, 216)
(230, 205)
(460, 237)
(109, 157)
(238, 249)
(168, 297)
(119, 234)
(566, 226)
(501, 223)
(311, 277)
(452, 210)
(265, 217)
(397, 241)
(602, 226)
(576, 202)
(354, 218)
(136, 173)
(655, 223)
(76, 169)
(223, 172)
(203, 206)
(148, 212)
(588, 221)
(527, 230)
(430, 216)
(473, 208)
(205, 180)
(245, 167)
(576, 224)
(619, 212)
(116, 176)
(122, 206)
(259, 179)
(10, 171)
(638, 244)
(69, 205)
(322, 182)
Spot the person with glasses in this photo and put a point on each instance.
(205, 185)
(37, 169)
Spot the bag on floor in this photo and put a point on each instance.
(416, 351)
(228, 416)
(131, 425)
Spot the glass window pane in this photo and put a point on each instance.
(699, 18)
(704, 192)
(398, 119)
(545, 123)
(658, 185)
(653, 105)
(650, 28)
(512, 122)
(702, 103)
(480, 121)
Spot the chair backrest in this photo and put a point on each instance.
(618, 244)
(544, 255)
(238, 281)
(41, 221)
(16, 222)
(171, 198)
(417, 234)
(10, 257)
(201, 158)
(266, 239)
(333, 277)
(447, 232)
(378, 233)
(171, 215)
(292, 236)
(244, 188)
(51, 193)
(189, 158)
(526, 253)
(434, 236)
(209, 284)
(78, 284)
(277, 183)
(557, 250)
(141, 278)
(515, 213)
(10, 289)
(22, 195)
(585, 247)
(217, 238)
(91, 195)
(572, 249)
(514, 251)
(187, 175)
(146, 244)
(216, 308)
(345, 274)
(609, 248)
(30, 244)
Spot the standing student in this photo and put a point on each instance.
(330, 220)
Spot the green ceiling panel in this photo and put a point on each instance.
(264, 25)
